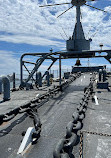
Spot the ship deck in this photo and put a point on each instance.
(55, 115)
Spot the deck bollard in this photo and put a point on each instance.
(6, 87)
(40, 79)
(100, 75)
(48, 78)
(104, 75)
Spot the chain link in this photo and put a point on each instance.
(30, 109)
(35, 102)
(96, 133)
(74, 126)
(81, 145)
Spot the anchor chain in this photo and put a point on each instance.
(30, 108)
(35, 102)
(65, 146)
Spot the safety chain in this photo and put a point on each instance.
(81, 145)
(96, 133)
(65, 146)
(92, 133)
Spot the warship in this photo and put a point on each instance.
(64, 118)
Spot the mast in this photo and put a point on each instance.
(78, 42)
(78, 30)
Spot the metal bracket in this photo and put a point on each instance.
(27, 140)
(96, 100)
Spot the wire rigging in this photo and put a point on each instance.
(63, 29)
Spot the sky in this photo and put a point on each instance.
(25, 27)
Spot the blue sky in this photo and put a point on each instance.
(24, 27)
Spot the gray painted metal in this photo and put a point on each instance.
(37, 65)
(35, 68)
(100, 75)
(76, 48)
(64, 55)
(54, 60)
(39, 78)
(77, 41)
(104, 75)
(87, 69)
(54, 116)
(6, 87)
(103, 85)
(48, 78)
(66, 75)
(60, 70)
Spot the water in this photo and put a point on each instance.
(17, 84)
(54, 72)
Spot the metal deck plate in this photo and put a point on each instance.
(55, 115)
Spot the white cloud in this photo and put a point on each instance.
(23, 21)
(33, 40)
(8, 63)
(31, 24)
(27, 22)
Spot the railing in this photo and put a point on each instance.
(15, 78)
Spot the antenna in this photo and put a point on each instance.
(74, 3)
(77, 42)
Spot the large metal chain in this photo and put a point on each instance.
(32, 114)
(35, 102)
(65, 146)
(30, 108)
